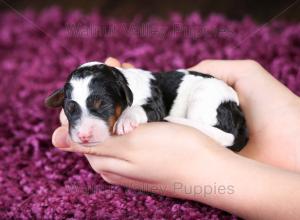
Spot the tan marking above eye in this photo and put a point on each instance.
(96, 104)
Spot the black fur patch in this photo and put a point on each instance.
(68, 88)
(73, 112)
(169, 83)
(155, 108)
(231, 119)
(122, 84)
(204, 75)
(83, 72)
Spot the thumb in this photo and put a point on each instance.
(230, 71)
(114, 146)
(59, 137)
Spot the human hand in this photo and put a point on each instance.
(160, 157)
(151, 158)
(271, 110)
(179, 161)
(265, 115)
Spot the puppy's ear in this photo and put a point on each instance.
(125, 91)
(56, 99)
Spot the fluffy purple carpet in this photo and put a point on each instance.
(38, 51)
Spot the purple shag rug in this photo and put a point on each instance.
(38, 181)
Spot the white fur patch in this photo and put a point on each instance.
(198, 98)
(80, 91)
(92, 63)
(139, 83)
(98, 128)
(196, 105)
(185, 71)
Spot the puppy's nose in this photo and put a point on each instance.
(85, 137)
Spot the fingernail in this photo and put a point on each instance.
(112, 62)
(59, 138)
(127, 65)
(110, 59)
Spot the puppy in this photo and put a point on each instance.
(100, 100)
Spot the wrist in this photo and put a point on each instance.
(205, 178)
(218, 166)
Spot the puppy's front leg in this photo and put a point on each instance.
(130, 118)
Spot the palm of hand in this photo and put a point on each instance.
(271, 110)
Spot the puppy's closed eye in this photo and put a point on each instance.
(94, 102)
(72, 108)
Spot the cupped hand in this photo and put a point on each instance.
(268, 107)
(157, 156)
(271, 110)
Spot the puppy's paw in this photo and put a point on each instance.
(226, 139)
(125, 125)
(222, 137)
(130, 118)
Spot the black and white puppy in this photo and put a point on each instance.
(100, 100)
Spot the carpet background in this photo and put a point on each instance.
(39, 181)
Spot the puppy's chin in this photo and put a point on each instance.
(91, 144)
(98, 128)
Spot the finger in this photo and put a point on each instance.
(243, 75)
(229, 71)
(114, 130)
(112, 62)
(113, 147)
(127, 65)
(121, 179)
(109, 164)
(137, 184)
(59, 137)
(63, 118)
(107, 176)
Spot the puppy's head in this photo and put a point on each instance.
(93, 98)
